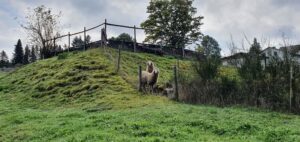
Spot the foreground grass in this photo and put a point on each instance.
(80, 97)
(164, 122)
(2, 74)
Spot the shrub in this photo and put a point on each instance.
(62, 56)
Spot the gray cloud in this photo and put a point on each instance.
(256, 18)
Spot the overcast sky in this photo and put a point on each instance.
(264, 19)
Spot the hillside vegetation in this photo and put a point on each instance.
(78, 96)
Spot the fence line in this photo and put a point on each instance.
(149, 48)
(69, 34)
(105, 23)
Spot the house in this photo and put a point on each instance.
(234, 60)
(271, 53)
(267, 55)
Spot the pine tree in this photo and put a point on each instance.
(252, 68)
(32, 54)
(26, 55)
(18, 53)
(3, 59)
(255, 48)
(77, 42)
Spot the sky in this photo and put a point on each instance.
(225, 20)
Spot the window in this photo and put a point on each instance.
(275, 53)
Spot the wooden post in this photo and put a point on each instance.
(84, 34)
(43, 48)
(105, 26)
(54, 42)
(54, 46)
(119, 60)
(177, 63)
(291, 87)
(134, 44)
(176, 83)
(140, 78)
(182, 48)
(176, 47)
(69, 38)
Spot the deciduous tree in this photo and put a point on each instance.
(209, 47)
(41, 26)
(172, 22)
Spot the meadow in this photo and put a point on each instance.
(79, 96)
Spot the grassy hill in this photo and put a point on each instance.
(78, 96)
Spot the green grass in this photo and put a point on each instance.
(2, 74)
(79, 97)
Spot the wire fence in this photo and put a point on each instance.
(130, 46)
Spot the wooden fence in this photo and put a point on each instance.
(130, 46)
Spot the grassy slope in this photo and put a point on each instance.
(80, 98)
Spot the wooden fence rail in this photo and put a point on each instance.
(132, 46)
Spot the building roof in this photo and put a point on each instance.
(293, 48)
(274, 48)
(235, 56)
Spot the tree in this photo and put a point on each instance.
(18, 53)
(77, 42)
(41, 26)
(255, 48)
(38, 52)
(209, 47)
(252, 68)
(26, 55)
(123, 37)
(3, 59)
(88, 39)
(208, 59)
(33, 54)
(172, 23)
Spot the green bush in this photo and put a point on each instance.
(62, 56)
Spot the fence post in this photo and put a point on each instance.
(54, 42)
(119, 59)
(69, 38)
(183, 52)
(84, 34)
(44, 43)
(105, 25)
(291, 87)
(140, 78)
(177, 63)
(54, 46)
(134, 44)
(42, 49)
(176, 83)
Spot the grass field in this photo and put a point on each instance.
(79, 97)
(2, 74)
